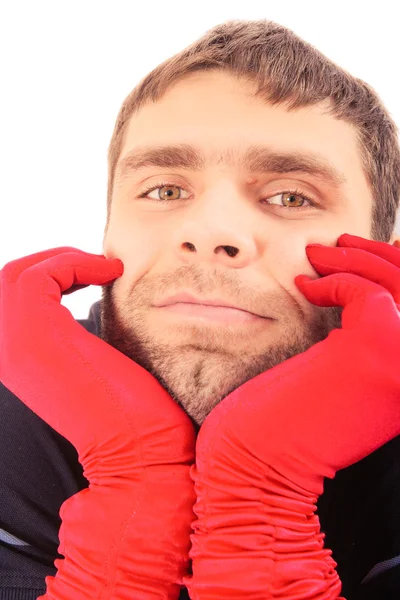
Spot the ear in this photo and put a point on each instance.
(395, 240)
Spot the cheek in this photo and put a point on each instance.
(137, 247)
(290, 260)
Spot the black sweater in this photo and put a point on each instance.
(39, 469)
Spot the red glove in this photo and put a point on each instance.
(127, 535)
(263, 452)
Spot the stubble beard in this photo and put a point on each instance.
(200, 374)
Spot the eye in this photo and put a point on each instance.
(292, 197)
(289, 196)
(166, 195)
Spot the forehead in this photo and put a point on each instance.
(215, 111)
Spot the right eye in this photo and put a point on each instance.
(166, 187)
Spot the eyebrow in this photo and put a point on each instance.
(255, 159)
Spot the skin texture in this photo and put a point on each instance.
(168, 248)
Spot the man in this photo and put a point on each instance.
(215, 194)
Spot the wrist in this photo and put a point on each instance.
(260, 524)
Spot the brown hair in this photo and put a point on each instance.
(287, 70)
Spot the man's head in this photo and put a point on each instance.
(275, 147)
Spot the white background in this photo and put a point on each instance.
(66, 67)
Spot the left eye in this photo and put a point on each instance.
(288, 196)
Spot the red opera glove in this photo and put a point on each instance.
(263, 452)
(127, 535)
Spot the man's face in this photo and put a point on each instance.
(225, 231)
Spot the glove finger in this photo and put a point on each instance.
(383, 249)
(13, 269)
(58, 274)
(73, 289)
(364, 302)
(327, 260)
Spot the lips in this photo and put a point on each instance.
(218, 315)
(187, 298)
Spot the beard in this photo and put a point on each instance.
(200, 365)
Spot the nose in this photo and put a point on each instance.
(219, 228)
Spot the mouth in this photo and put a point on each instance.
(210, 314)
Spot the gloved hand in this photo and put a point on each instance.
(127, 535)
(263, 452)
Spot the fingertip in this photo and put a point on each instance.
(302, 279)
(115, 263)
(345, 240)
(119, 264)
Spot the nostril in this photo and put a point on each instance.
(189, 246)
(231, 250)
